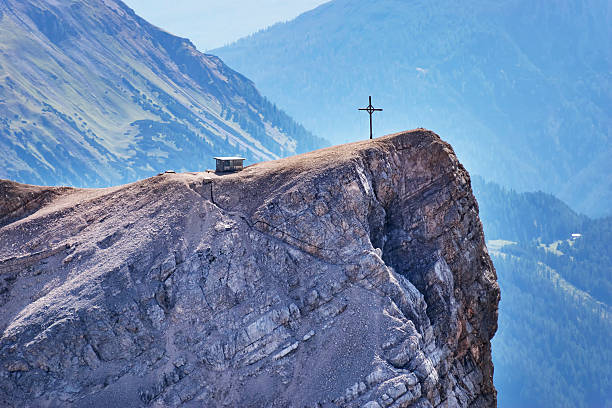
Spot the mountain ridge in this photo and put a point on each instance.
(93, 95)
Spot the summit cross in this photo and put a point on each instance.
(370, 109)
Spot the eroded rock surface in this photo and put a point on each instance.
(353, 276)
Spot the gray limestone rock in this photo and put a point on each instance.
(353, 276)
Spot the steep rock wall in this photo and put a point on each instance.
(350, 276)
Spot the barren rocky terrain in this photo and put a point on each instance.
(351, 276)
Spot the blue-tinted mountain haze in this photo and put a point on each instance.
(555, 315)
(520, 88)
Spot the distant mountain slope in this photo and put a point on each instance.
(539, 225)
(555, 316)
(92, 95)
(525, 217)
(552, 348)
(521, 88)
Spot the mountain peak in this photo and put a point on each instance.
(348, 276)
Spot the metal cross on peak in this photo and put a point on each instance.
(370, 109)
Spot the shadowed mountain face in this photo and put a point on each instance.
(521, 88)
(93, 95)
(346, 277)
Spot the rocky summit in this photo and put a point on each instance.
(353, 276)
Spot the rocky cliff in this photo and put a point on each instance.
(350, 276)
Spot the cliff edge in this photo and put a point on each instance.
(350, 276)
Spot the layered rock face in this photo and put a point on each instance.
(351, 276)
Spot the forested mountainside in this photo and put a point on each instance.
(525, 217)
(555, 317)
(520, 88)
(93, 95)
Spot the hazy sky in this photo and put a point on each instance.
(213, 23)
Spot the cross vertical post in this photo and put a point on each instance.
(370, 118)
(370, 109)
